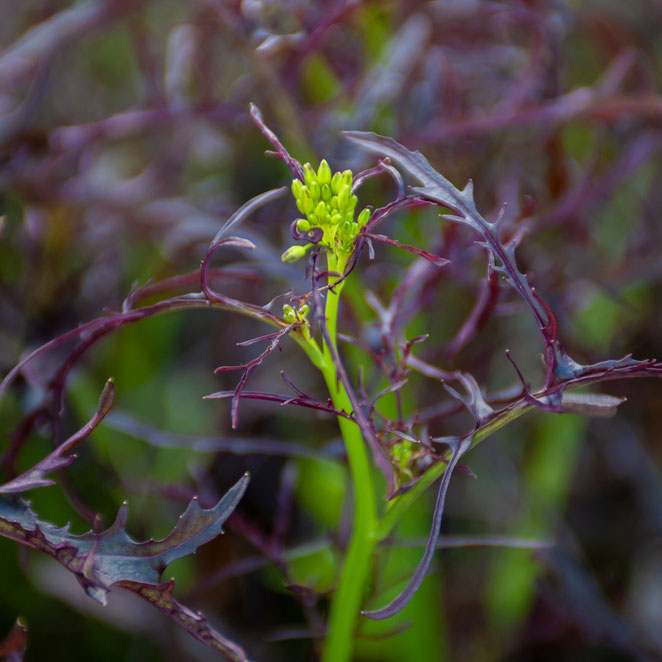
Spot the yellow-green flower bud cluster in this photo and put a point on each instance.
(402, 453)
(327, 202)
(292, 315)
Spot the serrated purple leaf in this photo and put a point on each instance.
(103, 560)
(437, 188)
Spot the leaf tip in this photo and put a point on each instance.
(107, 397)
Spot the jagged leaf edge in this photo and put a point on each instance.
(20, 523)
(81, 554)
(561, 368)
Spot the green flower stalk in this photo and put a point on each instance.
(328, 205)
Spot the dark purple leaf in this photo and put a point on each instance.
(384, 212)
(57, 460)
(249, 367)
(291, 162)
(248, 343)
(89, 333)
(396, 386)
(103, 560)
(474, 400)
(560, 367)
(437, 188)
(283, 399)
(459, 446)
(160, 595)
(245, 210)
(381, 167)
(435, 259)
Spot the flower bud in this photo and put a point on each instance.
(307, 202)
(326, 192)
(303, 225)
(324, 173)
(336, 183)
(347, 178)
(293, 253)
(296, 188)
(352, 203)
(343, 198)
(363, 218)
(320, 210)
(290, 317)
(309, 175)
(314, 191)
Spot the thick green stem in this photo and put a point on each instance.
(346, 602)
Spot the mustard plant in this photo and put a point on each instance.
(392, 462)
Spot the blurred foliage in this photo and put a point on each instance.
(125, 143)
